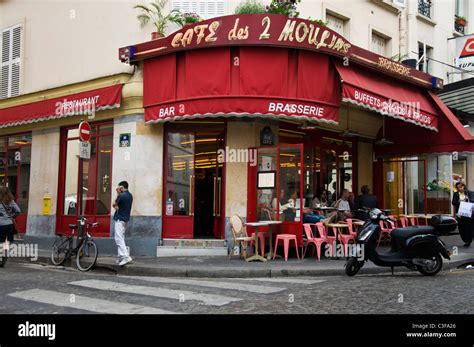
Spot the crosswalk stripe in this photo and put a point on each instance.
(212, 284)
(86, 303)
(182, 295)
(280, 280)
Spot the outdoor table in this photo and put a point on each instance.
(257, 225)
(337, 227)
(358, 223)
(269, 255)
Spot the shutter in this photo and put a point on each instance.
(204, 8)
(16, 62)
(10, 73)
(4, 81)
(378, 44)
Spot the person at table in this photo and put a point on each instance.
(343, 209)
(465, 224)
(280, 209)
(321, 199)
(365, 200)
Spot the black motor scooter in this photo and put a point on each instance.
(416, 247)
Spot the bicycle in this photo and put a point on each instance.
(85, 249)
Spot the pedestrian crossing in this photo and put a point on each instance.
(159, 295)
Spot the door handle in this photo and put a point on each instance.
(191, 195)
(219, 185)
(214, 199)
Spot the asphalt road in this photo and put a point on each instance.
(34, 288)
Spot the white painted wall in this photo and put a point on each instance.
(72, 41)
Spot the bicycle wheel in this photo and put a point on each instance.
(86, 255)
(60, 251)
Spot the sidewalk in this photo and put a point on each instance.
(235, 267)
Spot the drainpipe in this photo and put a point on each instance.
(410, 31)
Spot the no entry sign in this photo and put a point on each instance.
(84, 131)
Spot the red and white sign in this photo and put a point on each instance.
(85, 131)
(465, 52)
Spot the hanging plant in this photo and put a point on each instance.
(318, 21)
(154, 13)
(190, 18)
(284, 7)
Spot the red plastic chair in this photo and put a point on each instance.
(311, 239)
(385, 231)
(403, 221)
(286, 238)
(347, 238)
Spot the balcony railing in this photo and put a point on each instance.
(424, 8)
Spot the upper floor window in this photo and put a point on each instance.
(11, 61)
(335, 23)
(379, 44)
(424, 8)
(204, 8)
(424, 54)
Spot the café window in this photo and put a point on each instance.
(87, 183)
(15, 161)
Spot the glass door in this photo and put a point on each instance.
(193, 199)
(178, 219)
(405, 186)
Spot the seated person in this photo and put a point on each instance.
(321, 199)
(344, 209)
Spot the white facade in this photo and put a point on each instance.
(65, 42)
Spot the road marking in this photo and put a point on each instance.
(212, 284)
(85, 303)
(280, 280)
(182, 295)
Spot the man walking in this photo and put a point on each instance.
(123, 207)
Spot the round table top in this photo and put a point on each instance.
(338, 225)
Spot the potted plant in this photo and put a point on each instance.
(189, 18)
(284, 7)
(154, 13)
(461, 21)
(250, 7)
(318, 21)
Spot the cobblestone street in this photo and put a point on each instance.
(31, 288)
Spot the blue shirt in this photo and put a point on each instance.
(124, 202)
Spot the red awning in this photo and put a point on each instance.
(85, 103)
(256, 83)
(398, 100)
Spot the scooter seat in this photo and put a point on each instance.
(406, 233)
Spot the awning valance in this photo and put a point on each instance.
(84, 103)
(250, 82)
(394, 99)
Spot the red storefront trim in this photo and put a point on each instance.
(61, 107)
(242, 107)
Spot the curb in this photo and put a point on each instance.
(143, 270)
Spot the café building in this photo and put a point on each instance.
(238, 115)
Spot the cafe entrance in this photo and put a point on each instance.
(193, 190)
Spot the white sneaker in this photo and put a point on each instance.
(126, 261)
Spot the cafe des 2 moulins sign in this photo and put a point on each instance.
(274, 31)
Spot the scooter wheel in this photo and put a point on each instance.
(434, 268)
(353, 266)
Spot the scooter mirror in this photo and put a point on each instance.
(375, 213)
